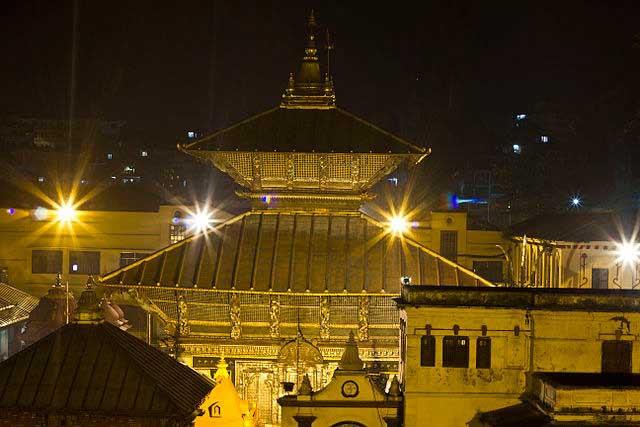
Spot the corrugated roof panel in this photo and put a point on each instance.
(282, 259)
(336, 269)
(320, 258)
(355, 254)
(263, 266)
(300, 253)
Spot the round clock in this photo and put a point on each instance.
(350, 389)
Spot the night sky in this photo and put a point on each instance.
(149, 62)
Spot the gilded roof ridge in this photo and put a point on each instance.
(423, 150)
(185, 147)
(159, 252)
(433, 253)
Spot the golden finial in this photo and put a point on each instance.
(221, 370)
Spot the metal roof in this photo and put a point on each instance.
(299, 252)
(306, 130)
(15, 305)
(100, 369)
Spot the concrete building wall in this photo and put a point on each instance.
(522, 342)
(108, 232)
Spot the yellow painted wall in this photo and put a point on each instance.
(108, 232)
(548, 341)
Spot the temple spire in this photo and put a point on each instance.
(308, 89)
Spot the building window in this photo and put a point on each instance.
(490, 270)
(144, 153)
(176, 232)
(449, 244)
(521, 117)
(84, 262)
(109, 156)
(127, 258)
(46, 262)
(544, 138)
(517, 149)
(483, 353)
(600, 278)
(41, 179)
(428, 350)
(616, 357)
(455, 352)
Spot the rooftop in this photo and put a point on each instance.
(523, 298)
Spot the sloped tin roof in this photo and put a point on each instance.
(299, 252)
(15, 305)
(304, 130)
(102, 370)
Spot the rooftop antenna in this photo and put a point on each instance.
(329, 45)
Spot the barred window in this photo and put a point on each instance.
(455, 352)
(449, 244)
(47, 262)
(428, 350)
(84, 262)
(127, 258)
(483, 353)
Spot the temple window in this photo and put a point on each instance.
(46, 262)
(455, 352)
(483, 353)
(84, 262)
(428, 350)
(176, 233)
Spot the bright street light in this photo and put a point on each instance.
(66, 212)
(398, 225)
(200, 220)
(628, 252)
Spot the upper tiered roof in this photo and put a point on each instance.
(306, 145)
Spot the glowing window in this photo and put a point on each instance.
(517, 149)
(521, 116)
(109, 156)
(144, 154)
(192, 134)
(544, 138)
(41, 179)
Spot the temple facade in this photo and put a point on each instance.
(277, 290)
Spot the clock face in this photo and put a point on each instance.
(350, 389)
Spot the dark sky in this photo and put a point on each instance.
(149, 62)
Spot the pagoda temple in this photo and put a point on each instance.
(304, 261)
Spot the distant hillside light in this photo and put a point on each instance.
(576, 202)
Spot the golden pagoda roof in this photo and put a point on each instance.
(306, 144)
(262, 251)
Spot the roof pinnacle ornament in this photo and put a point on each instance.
(307, 89)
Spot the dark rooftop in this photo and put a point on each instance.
(522, 298)
(520, 415)
(578, 227)
(305, 130)
(99, 369)
(589, 380)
